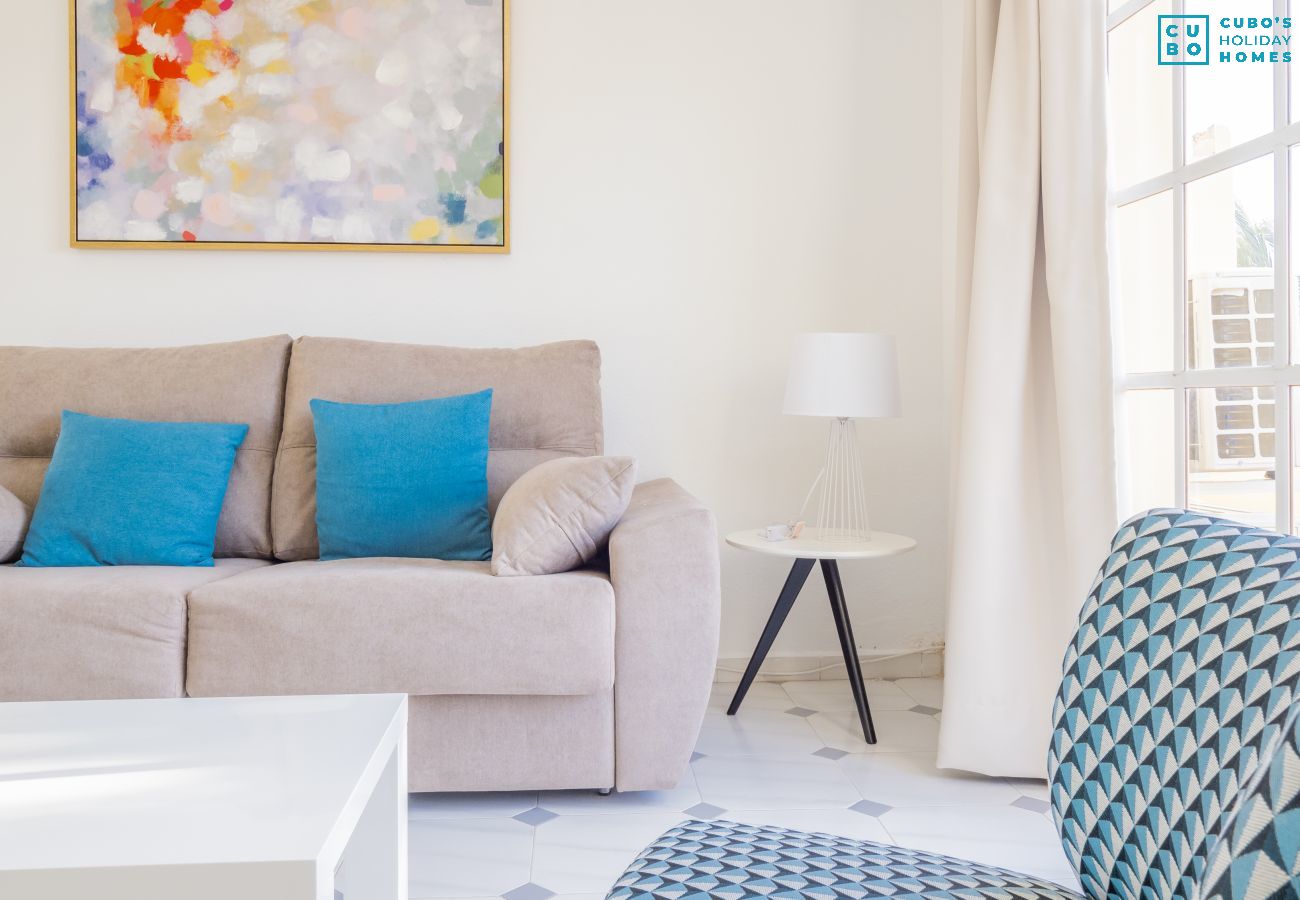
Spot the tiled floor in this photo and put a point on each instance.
(793, 757)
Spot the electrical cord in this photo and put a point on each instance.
(869, 659)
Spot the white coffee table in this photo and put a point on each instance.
(260, 798)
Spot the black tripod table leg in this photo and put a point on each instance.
(793, 584)
(840, 610)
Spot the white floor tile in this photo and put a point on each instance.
(686, 794)
(842, 822)
(994, 835)
(753, 732)
(911, 779)
(757, 767)
(468, 857)
(761, 695)
(895, 730)
(926, 691)
(585, 854)
(471, 805)
(829, 695)
(743, 783)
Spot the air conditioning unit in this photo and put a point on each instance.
(1230, 325)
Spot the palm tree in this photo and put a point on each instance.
(1254, 241)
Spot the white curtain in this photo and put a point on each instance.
(1033, 496)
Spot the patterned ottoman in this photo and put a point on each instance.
(699, 860)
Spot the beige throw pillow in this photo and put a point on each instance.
(15, 516)
(558, 515)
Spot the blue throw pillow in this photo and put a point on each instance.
(124, 493)
(403, 479)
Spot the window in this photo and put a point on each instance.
(1208, 370)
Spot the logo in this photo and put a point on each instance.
(1183, 40)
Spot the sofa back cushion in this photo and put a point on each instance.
(545, 405)
(239, 382)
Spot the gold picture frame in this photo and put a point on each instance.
(78, 242)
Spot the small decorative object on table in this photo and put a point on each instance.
(781, 532)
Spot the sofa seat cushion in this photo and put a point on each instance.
(98, 632)
(418, 626)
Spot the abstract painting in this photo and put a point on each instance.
(308, 124)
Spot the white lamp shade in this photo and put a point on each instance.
(843, 376)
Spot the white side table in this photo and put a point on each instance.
(805, 550)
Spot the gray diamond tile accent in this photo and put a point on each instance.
(697, 755)
(1033, 804)
(704, 811)
(870, 808)
(529, 891)
(535, 816)
(925, 710)
(830, 753)
(801, 711)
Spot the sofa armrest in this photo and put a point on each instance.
(663, 559)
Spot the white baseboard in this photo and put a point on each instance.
(830, 667)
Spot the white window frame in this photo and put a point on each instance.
(1283, 374)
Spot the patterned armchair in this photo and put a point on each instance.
(1174, 764)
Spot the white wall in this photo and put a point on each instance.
(692, 184)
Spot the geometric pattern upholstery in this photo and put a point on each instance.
(698, 860)
(1182, 673)
(1258, 853)
(1174, 763)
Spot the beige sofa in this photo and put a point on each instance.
(591, 679)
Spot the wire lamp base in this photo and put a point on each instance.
(842, 508)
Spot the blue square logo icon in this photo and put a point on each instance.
(1183, 40)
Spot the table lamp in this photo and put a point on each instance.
(842, 376)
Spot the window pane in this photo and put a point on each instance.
(1230, 455)
(1147, 475)
(1227, 103)
(1230, 268)
(1295, 246)
(1295, 464)
(1294, 74)
(1144, 267)
(1141, 99)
